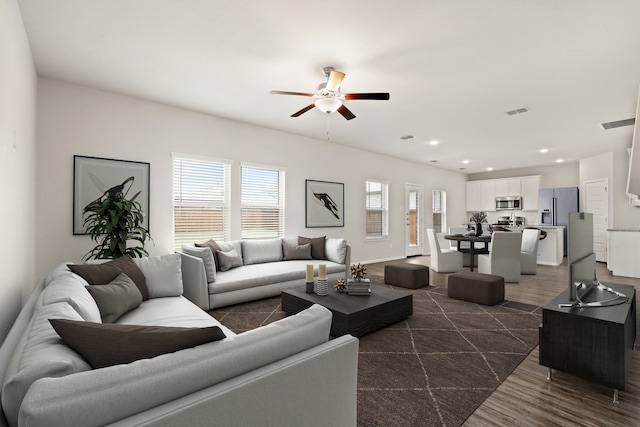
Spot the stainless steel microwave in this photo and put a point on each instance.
(508, 203)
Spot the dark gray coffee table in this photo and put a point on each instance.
(354, 314)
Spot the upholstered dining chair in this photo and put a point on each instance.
(504, 256)
(529, 251)
(443, 260)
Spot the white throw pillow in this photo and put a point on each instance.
(207, 257)
(163, 274)
(336, 250)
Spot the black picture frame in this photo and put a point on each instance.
(324, 204)
(93, 176)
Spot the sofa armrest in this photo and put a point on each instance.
(194, 281)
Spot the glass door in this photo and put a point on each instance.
(414, 220)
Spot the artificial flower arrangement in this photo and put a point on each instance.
(478, 217)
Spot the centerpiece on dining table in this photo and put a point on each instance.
(478, 218)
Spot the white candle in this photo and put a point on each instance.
(309, 273)
(322, 271)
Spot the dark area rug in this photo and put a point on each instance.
(435, 367)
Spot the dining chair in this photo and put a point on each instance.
(443, 260)
(529, 251)
(504, 256)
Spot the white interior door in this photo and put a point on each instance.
(414, 220)
(596, 201)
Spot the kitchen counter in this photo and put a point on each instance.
(624, 251)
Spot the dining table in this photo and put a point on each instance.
(473, 239)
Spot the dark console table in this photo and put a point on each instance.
(594, 343)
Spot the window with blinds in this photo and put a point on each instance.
(438, 208)
(200, 200)
(377, 206)
(262, 202)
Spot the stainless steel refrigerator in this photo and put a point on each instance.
(555, 204)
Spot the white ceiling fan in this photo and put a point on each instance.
(330, 99)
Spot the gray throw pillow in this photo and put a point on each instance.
(296, 251)
(102, 274)
(211, 244)
(229, 259)
(317, 246)
(111, 344)
(117, 298)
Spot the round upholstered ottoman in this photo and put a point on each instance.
(410, 276)
(486, 289)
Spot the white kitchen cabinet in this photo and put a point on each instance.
(507, 187)
(551, 248)
(530, 186)
(488, 202)
(474, 196)
(624, 252)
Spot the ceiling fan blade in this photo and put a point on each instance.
(335, 80)
(346, 113)
(304, 110)
(382, 96)
(283, 92)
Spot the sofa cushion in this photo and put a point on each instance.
(105, 345)
(336, 250)
(211, 244)
(229, 259)
(317, 246)
(207, 257)
(70, 288)
(261, 251)
(163, 273)
(117, 298)
(102, 274)
(291, 252)
(44, 355)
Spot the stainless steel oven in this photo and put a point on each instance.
(508, 203)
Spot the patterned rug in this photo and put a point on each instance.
(432, 369)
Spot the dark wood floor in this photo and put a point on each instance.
(526, 398)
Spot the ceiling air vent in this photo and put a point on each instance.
(618, 124)
(518, 111)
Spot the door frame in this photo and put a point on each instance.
(414, 250)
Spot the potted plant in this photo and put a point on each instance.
(478, 218)
(112, 221)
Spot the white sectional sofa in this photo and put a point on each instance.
(286, 373)
(260, 268)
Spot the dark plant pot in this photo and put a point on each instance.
(478, 229)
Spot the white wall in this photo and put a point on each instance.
(78, 120)
(18, 84)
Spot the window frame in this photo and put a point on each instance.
(384, 209)
(281, 171)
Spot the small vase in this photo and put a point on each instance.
(478, 229)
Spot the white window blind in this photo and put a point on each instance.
(377, 206)
(262, 202)
(200, 200)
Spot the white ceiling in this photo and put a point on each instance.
(452, 67)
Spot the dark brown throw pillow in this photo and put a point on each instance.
(108, 344)
(103, 274)
(317, 246)
(117, 298)
(211, 244)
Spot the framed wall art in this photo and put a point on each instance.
(324, 204)
(94, 177)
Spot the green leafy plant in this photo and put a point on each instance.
(112, 221)
(478, 217)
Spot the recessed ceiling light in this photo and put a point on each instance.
(559, 160)
(466, 162)
(544, 150)
(406, 137)
(489, 169)
(434, 142)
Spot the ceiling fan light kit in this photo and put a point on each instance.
(329, 97)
